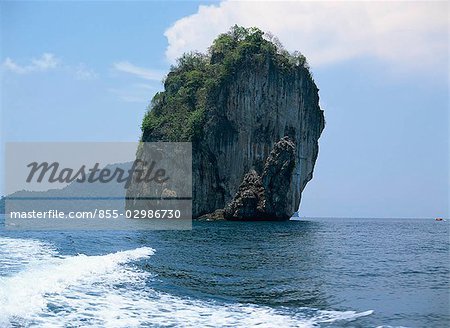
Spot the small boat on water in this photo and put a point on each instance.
(439, 219)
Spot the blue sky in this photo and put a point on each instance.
(85, 71)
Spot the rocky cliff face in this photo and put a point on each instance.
(266, 197)
(263, 96)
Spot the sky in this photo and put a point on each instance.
(86, 71)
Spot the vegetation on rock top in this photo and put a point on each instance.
(178, 113)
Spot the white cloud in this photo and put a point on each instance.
(10, 65)
(82, 72)
(143, 73)
(46, 62)
(137, 92)
(408, 34)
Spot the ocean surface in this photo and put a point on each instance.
(308, 273)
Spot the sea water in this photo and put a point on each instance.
(306, 273)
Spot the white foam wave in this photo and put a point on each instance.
(50, 281)
(15, 254)
(103, 291)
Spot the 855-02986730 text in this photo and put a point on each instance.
(99, 214)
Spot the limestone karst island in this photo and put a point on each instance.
(251, 110)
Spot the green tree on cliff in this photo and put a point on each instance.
(178, 113)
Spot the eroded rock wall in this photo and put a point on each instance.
(247, 116)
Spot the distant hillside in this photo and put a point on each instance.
(75, 189)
